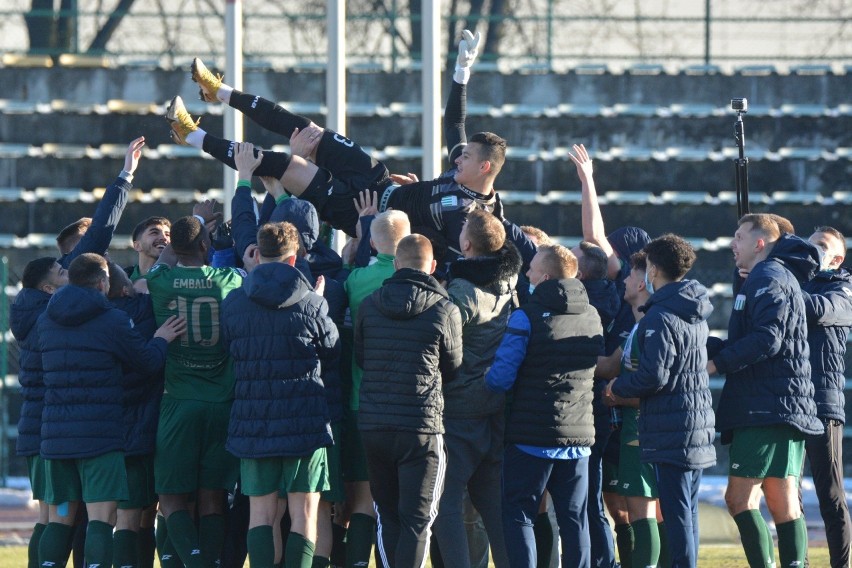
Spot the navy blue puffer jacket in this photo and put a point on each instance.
(766, 355)
(828, 305)
(84, 343)
(29, 304)
(143, 392)
(676, 422)
(280, 337)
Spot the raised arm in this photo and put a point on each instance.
(455, 113)
(108, 213)
(592, 220)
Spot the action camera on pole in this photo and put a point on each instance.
(741, 163)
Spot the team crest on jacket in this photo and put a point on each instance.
(739, 303)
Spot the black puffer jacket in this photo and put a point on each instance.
(552, 405)
(408, 340)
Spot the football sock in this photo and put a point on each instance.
(184, 536)
(54, 547)
(646, 543)
(624, 543)
(753, 533)
(145, 547)
(211, 536)
(98, 551)
(792, 543)
(124, 545)
(299, 552)
(32, 550)
(261, 548)
(359, 540)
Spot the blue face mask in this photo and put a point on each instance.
(648, 285)
(532, 288)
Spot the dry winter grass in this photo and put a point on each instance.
(711, 556)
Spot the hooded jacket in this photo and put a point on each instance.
(280, 337)
(143, 392)
(676, 421)
(481, 288)
(29, 304)
(766, 355)
(828, 306)
(84, 342)
(408, 340)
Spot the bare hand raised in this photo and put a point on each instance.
(173, 328)
(246, 160)
(134, 153)
(581, 159)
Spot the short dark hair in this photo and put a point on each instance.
(593, 263)
(639, 261)
(36, 271)
(834, 233)
(671, 254)
(75, 230)
(187, 235)
(485, 232)
(493, 149)
(276, 240)
(149, 222)
(87, 270)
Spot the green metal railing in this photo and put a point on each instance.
(715, 31)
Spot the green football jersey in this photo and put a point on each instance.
(197, 367)
(629, 363)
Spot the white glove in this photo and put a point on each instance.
(468, 50)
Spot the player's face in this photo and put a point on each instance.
(153, 240)
(745, 246)
(57, 277)
(536, 274)
(468, 164)
(831, 247)
(633, 286)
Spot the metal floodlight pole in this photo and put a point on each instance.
(431, 77)
(335, 81)
(233, 120)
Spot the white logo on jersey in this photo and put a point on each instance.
(761, 292)
(449, 201)
(735, 466)
(649, 332)
(254, 102)
(739, 303)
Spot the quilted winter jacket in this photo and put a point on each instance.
(280, 337)
(408, 340)
(766, 356)
(828, 305)
(676, 421)
(85, 342)
(29, 304)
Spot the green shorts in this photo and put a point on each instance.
(91, 480)
(352, 453)
(262, 476)
(635, 479)
(610, 477)
(336, 492)
(38, 476)
(191, 451)
(140, 482)
(767, 451)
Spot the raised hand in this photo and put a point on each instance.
(404, 179)
(468, 50)
(207, 210)
(367, 203)
(581, 159)
(134, 152)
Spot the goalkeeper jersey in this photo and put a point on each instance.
(197, 366)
